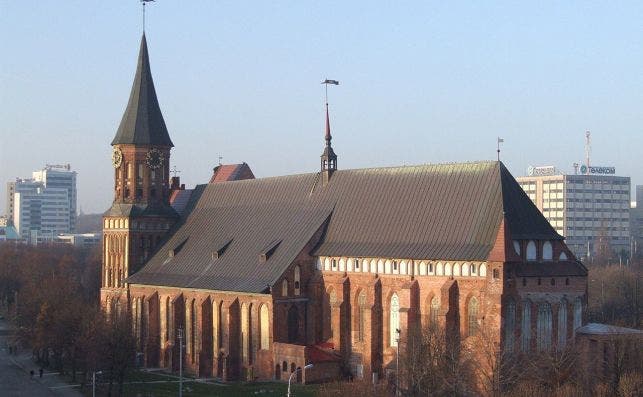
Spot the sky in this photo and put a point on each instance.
(420, 82)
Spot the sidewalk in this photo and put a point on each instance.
(51, 380)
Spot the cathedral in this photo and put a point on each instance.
(259, 277)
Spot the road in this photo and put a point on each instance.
(15, 379)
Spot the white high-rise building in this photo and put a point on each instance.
(589, 209)
(45, 205)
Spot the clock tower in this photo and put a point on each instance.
(140, 215)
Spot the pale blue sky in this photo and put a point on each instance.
(421, 82)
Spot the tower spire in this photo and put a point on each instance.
(328, 157)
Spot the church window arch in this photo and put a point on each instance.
(327, 264)
(342, 265)
(448, 270)
(380, 266)
(562, 324)
(403, 267)
(422, 269)
(264, 328)
(473, 269)
(192, 331)
(284, 287)
(293, 324)
(430, 268)
(525, 328)
(548, 252)
(297, 279)
(439, 269)
(510, 326)
(472, 316)
(394, 320)
(245, 332)
(578, 314)
(361, 315)
(531, 251)
(483, 270)
(543, 326)
(434, 310)
(516, 245)
(456, 269)
(562, 256)
(465, 269)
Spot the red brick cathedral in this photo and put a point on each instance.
(264, 276)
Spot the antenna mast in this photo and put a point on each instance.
(588, 147)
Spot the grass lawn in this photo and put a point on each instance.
(146, 384)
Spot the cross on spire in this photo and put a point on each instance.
(175, 171)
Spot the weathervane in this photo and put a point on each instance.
(175, 171)
(326, 82)
(143, 2)
(500, 140)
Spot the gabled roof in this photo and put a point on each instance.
(446, 211)
(231, 172)
(142, 122)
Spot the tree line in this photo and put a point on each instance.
(51, 295)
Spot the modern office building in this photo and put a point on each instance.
(591, 209)
(636, 224)
(44, 206)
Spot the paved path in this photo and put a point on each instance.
(16, 381)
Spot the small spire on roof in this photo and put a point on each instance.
(328, 157)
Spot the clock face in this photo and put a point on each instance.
(154, 159)
(117, 157)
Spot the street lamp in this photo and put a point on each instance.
(94, 382)
(294, 372)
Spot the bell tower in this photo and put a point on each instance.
(140, 215)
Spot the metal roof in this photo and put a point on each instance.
(142, 122)
(447, 211)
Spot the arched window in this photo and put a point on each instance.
(218, 328)
(430, 268)
(332, 299)
(562, 256)
(531, 251)
(422, 269)
(578, 314)
(465, 269)
(361, 316)
(245, 333)
(548, 252)
(562, 324)
(447, 269)
(439, 269)
(168, 310)
(472, 316)
(543, 326)
(297, 279)
(525, 329)
(264, 327)
(456, 269)
(510, 326)
(516, 244)
(293, 325)
(394, 323)
(434, 311)
(473, 269)
(192, 333)
(284, 287)
(483, 270)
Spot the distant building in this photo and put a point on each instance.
(81, 240)
(8, 233)
(591, 209)
(636, 223)
(44, 206)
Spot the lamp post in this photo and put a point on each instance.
(294, 372)
(94, 382)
